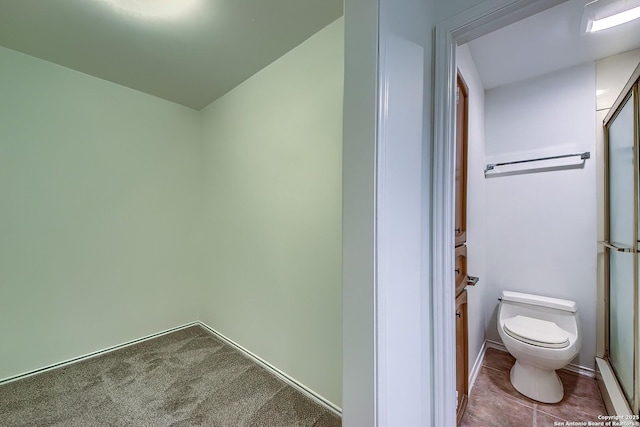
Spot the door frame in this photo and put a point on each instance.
(630, 90)
(462, 28)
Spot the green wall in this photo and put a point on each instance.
(273, 213)
(99, 210)
(103, 190)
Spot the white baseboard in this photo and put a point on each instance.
(475, 370)
(275, 371)
(580, 370)
(278, 373)
(93, 354)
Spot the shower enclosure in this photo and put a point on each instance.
(622, 162)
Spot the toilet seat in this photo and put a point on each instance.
(541, 333)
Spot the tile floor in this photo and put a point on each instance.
(494, 401)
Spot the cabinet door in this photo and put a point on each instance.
(461, 162)
(462, 376)
(461, 268)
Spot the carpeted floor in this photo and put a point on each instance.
(185, 378)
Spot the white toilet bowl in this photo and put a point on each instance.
(543, 334)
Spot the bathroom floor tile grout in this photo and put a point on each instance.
(493, 369)
(520, 400)
(498, 389)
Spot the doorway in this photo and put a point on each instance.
(449, 35)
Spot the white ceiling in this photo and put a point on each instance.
(192, 58)
(548, 41)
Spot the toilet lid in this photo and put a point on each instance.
(536, 332)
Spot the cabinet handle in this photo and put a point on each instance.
(458, 314)
(457, 271)
(458, 230)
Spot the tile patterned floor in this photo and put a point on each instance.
(494, 401)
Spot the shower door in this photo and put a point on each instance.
(621, 240)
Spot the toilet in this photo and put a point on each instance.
(543, 334)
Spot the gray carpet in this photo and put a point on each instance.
(185, 378)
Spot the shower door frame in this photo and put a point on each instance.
(631, 89)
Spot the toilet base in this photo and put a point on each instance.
(537, 384)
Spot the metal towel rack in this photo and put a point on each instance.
(584, 156)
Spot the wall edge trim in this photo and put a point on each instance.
(317, 398)
(94, 354)
(272, 369)
(477, 365)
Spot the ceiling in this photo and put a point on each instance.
(196, 56)
(191, 58)
(548, 41)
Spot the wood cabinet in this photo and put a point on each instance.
(460, 233)
(461, 161)
(461, 268)
(462, 363)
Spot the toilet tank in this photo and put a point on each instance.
(538, 300)
(563, 313)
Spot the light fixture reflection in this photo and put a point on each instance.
(602, 14)
(614, 20)
(154, 9)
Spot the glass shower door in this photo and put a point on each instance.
(622, 243)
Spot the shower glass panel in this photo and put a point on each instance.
(622, 226)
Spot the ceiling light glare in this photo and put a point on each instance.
(154, 9)
(602, 14)
(615, 20)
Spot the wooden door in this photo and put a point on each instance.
(460, 233)
(461, 161)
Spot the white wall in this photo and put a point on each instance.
(541, 225)
(273, 213)
(476, 209)
(402, 294)
(100, 213)
(398, 30)
(612, 73)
